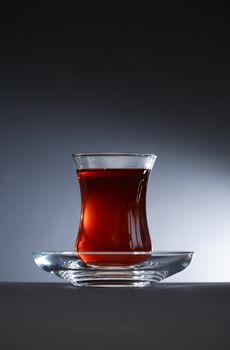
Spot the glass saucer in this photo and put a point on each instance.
(113, 269)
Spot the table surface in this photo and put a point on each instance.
(58, 316)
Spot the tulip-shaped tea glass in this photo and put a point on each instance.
(113, 209)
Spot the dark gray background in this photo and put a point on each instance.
(157, 84)
(169, 316)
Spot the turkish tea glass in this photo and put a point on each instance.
(113, 218)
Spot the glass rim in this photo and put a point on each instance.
(113, 154)
(159, 252)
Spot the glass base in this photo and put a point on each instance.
(113, 269)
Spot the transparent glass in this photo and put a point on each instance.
(113, 206)
(71, 267)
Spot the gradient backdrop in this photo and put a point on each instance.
(115, 84)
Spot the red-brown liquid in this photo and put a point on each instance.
(113, 217)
